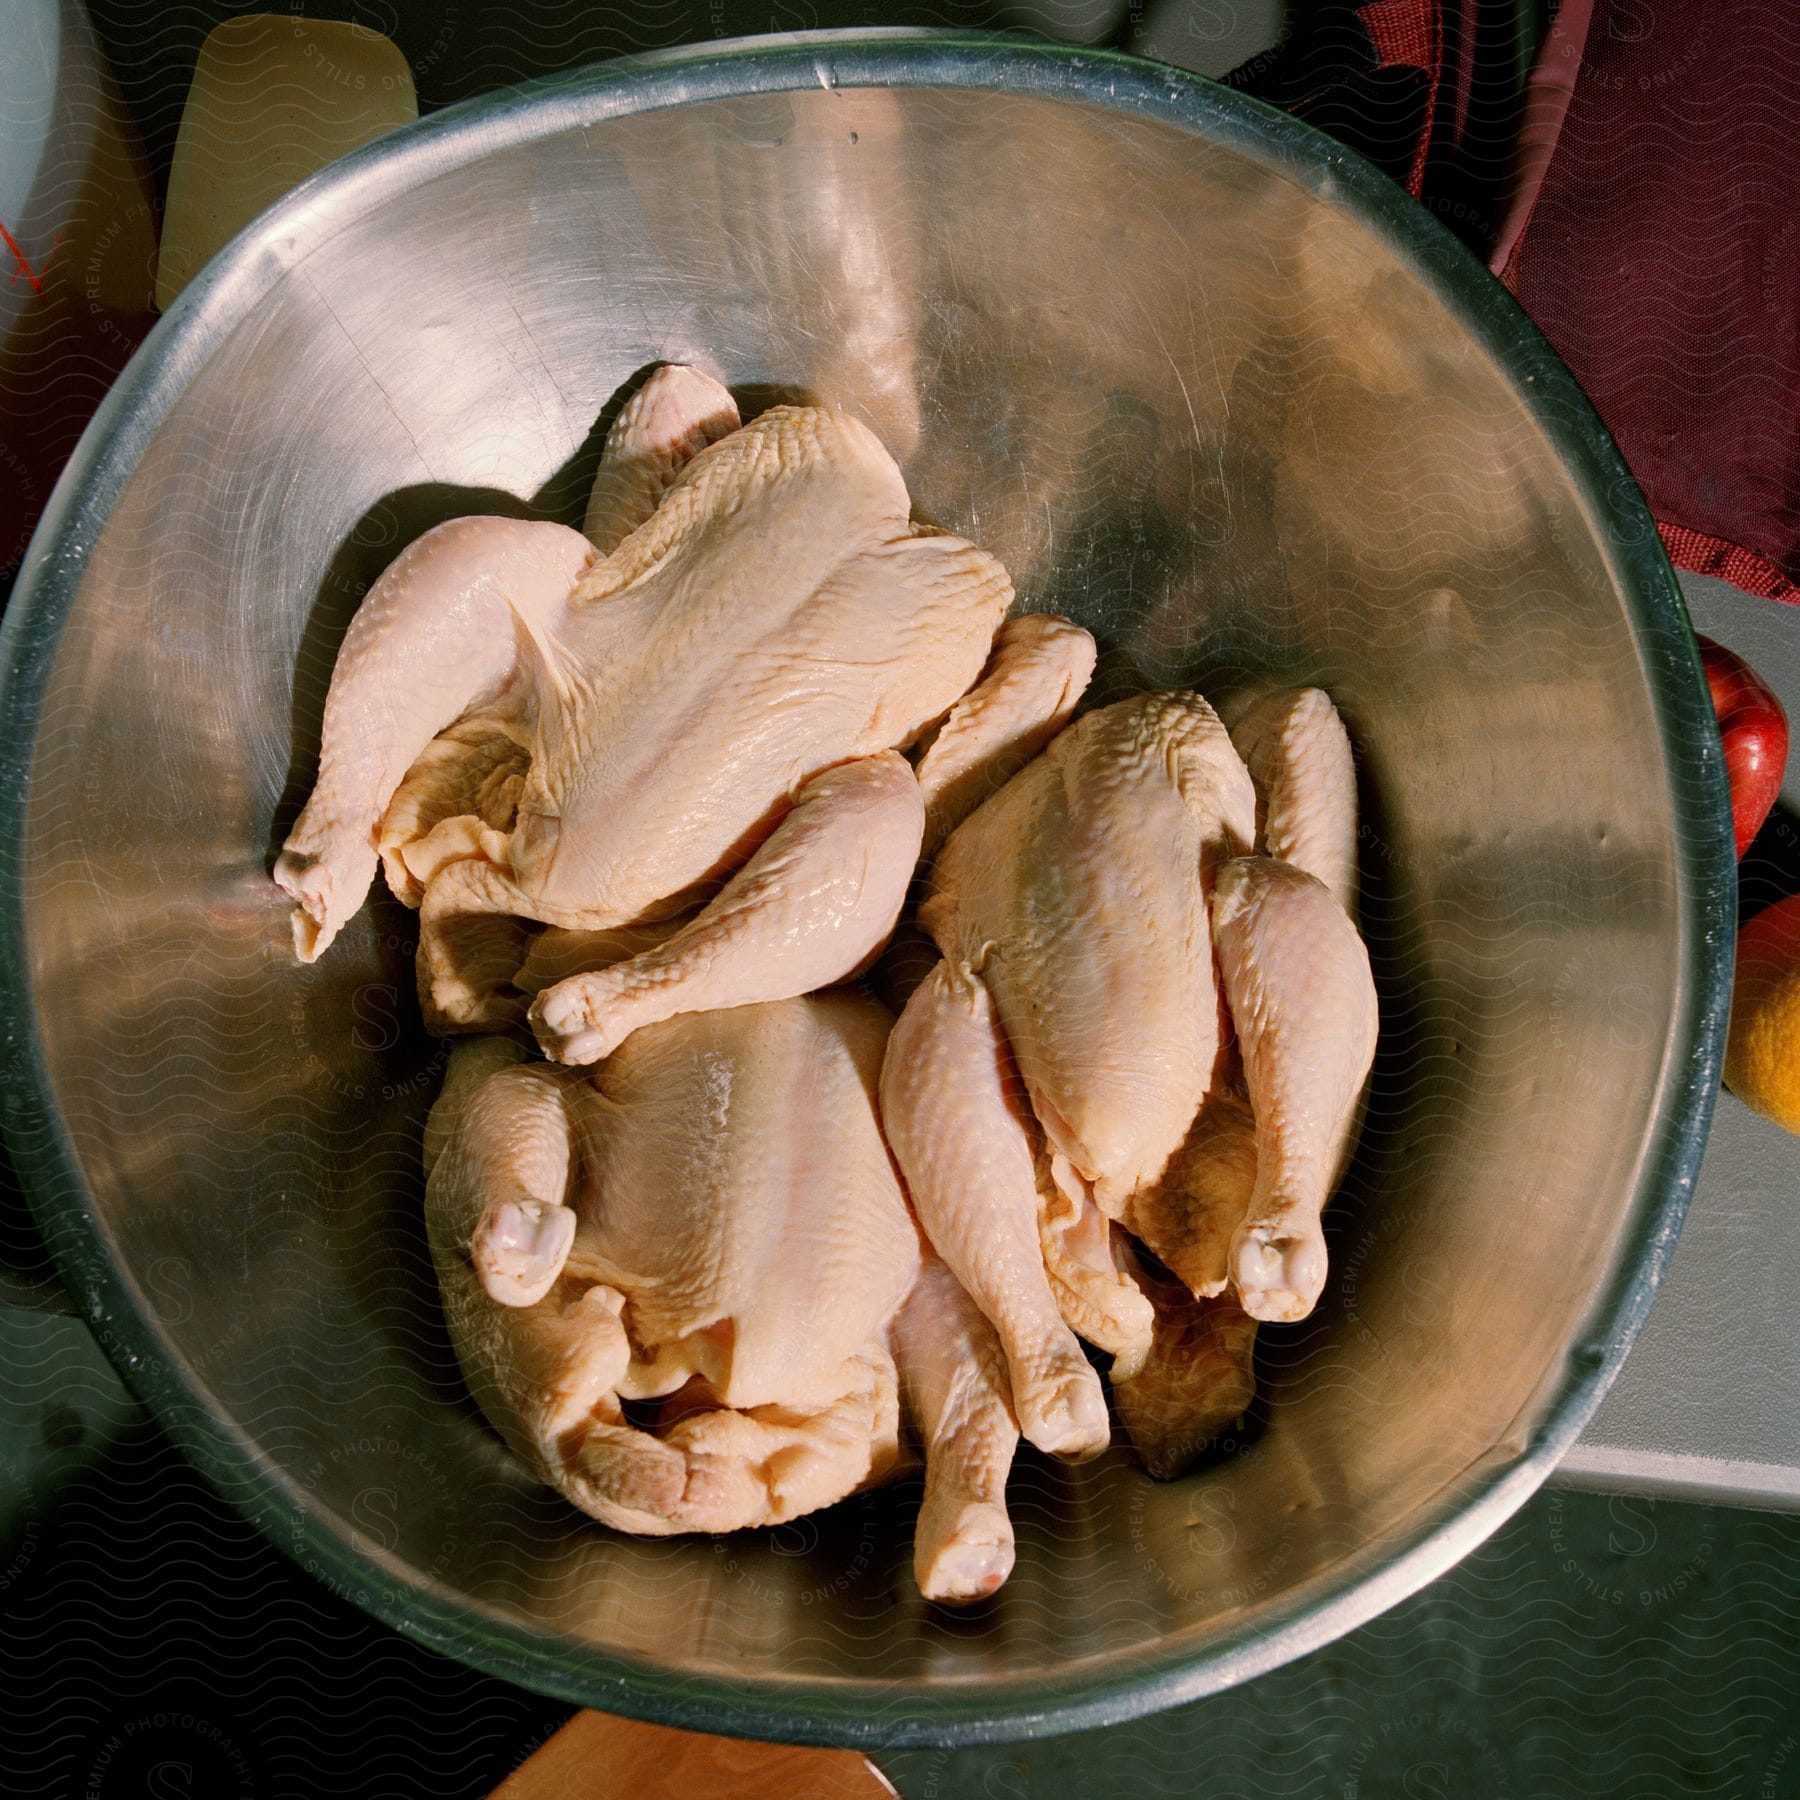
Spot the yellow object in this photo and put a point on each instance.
(275, 98)
(1762, 1052)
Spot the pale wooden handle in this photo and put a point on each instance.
(599, 1757)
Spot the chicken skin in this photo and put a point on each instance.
(712, 1221)
(698, 707)
(1050, 1066)
(1068, 1075)
(657, 787)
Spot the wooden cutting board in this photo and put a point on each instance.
(598, 1757)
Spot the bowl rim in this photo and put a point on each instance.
(872, 1713)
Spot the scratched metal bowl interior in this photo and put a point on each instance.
(1203, 383)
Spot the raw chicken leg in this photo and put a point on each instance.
(958, 1125)
(1040, 666)
(808, 909)
(953, 1376)
(433, 640)
(556, 954)
(1298, 754)
(1297, 979)
(471, 1063)
(517, 1155)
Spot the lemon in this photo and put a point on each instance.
(1762, 1050)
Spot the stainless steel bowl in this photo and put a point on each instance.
(1203, 380)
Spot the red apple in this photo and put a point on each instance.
(1754, 729)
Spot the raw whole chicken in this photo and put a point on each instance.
(653, 784)
(1068, 1067)
(694, 711)
(712, 1221)
(1197, 1379)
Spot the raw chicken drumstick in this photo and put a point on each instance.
(953, 1385)
(431, 644)
(1297, 978)
(955, 1117)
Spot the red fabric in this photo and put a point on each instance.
(1364, 71)
(1662, 259)
(1409, 34)
(1650, 225)
(1730, 562)
(1404, 32)
(1457, 52)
